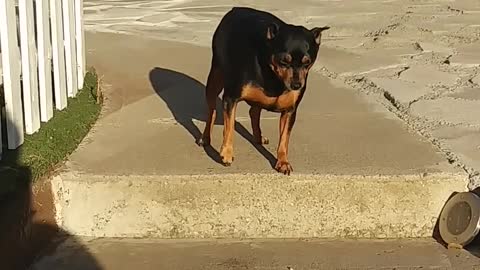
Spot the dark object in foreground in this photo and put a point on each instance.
(259, 59)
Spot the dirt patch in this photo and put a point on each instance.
(27, 212)
(27, 224)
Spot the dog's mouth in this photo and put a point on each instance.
(292, 83)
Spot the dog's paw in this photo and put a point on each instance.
(226, 153)
(283, 167)
(203, 141)
(262, 140)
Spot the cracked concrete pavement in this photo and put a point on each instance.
(419, 58)
(413, 60)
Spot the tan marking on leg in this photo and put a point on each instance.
(286, 124)
(287, 100)
(226, 151)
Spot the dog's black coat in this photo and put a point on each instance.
(243, 52)
(259, 59)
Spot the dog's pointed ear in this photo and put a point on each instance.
(317, 33)
(272, 31)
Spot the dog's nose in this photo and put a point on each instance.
(295, 85)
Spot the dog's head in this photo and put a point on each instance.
(293, 51)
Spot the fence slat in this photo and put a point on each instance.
(60, 87)
(70, 52)
(31, 105)
(11, 73)
(80, 38)
(44, 60)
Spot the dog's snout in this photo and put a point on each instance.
(295, 85)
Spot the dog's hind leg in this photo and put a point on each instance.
(214, 86)
(255, 113)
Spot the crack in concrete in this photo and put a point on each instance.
(401, 71)
(440, 90)
(383, 31)
(414, 123)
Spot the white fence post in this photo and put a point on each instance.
(44, 60)
(58, 55)
(11, 73)
(70, 52)
(29, 67)
(80, 42)
(59, 40)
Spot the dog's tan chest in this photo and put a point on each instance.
(256, 95)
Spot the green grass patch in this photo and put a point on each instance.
(55, 140)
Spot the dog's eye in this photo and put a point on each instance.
(306, 61)
(284, 63)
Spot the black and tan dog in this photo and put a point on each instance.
(259, 59)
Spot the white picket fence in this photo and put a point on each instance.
(43, 61)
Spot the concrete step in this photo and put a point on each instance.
(126, 254)
(253, 205)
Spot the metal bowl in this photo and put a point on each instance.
(459, 220)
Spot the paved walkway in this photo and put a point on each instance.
(105, 254)
(156, 108)
(420, 59)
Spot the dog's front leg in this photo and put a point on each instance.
(287, 120)
(226, 151)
